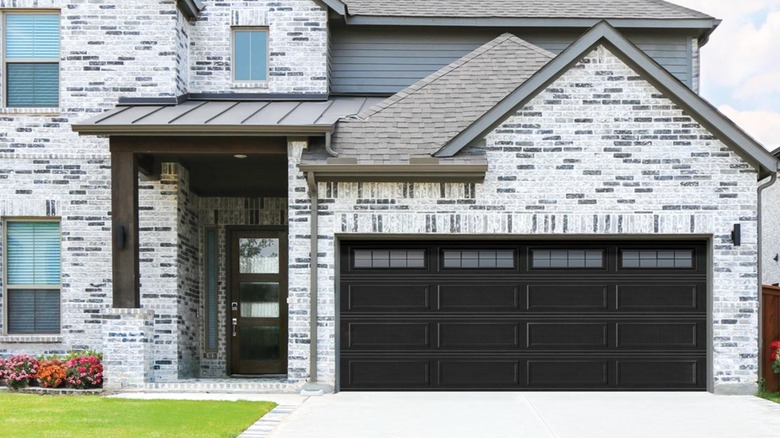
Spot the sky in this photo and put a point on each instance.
(741, 64)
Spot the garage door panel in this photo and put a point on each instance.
(478, 335)
(568, 373)
(384, 335)
(568, 297)
(479, 297)
(661, 297)
(460, 374)
(398, 297)
(567, 335)
(669, 373)
(661, 335)
(564, 320)
(409, 374)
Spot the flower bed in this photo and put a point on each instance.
(77, 370)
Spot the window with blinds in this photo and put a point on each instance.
(250, 54)
(31, 59)
(32, 277)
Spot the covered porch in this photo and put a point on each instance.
(203, 198)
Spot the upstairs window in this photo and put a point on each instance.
(32, 250)
(250, 54)
(31, 57)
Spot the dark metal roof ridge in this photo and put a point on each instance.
(603, 33)
(190, 8)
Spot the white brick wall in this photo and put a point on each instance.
(598, 153)
(297, 39)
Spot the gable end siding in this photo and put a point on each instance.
(386, 61)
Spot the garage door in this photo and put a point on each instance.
(523, 316)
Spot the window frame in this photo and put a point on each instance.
(4, 62)
(7, 287)
(233, 57)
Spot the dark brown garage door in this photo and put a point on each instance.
(523, 316)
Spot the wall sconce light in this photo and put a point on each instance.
(736, 235)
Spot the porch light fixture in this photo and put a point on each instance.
(736, 235)
(239, 156)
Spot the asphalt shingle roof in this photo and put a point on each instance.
(421, 119)
(650, 9)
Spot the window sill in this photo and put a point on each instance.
(31, 339)
(261, 85)
(30, 111)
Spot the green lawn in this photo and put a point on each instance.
(24, 415)
(773, 396)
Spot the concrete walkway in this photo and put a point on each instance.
(531, 415)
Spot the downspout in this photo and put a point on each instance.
(761, 188)
(328, 148)
(314, 261)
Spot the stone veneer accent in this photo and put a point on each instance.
(770, 239)
(598, 154)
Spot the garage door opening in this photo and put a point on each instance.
(500, 315)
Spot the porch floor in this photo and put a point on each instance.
(240, 384)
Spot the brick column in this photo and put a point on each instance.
(127, 347)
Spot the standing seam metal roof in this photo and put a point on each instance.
(196, 116)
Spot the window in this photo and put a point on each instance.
(672, 259)
(31, 59)
(479, 259)
(250, 54)
(389, 258)
(212, 285)
(32, 259)
(567, 258)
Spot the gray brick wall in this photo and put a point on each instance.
(598, 153)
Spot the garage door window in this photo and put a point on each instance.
(389, 258)
(677, 259)
(479, 259)
(567, 258)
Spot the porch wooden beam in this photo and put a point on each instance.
(200, 145)
(124, 226)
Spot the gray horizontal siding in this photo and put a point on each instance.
(386, 61)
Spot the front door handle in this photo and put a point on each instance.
(235, 326)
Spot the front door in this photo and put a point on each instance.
(258, 302)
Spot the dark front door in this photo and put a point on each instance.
(523, 316)
(258, 302)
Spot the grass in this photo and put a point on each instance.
(23, 415)
(771, 396)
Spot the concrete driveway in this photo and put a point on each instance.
(543, 415)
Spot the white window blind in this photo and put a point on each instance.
(33, 277)
(32, 52)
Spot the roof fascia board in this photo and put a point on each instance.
(336, 6)
(190, 8)
(603, 33)
(397, 173)
(201, 130)
(644, 23)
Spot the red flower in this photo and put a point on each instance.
(775, 345)
(773, 356)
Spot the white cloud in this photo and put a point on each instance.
(759, 86)
(764, 126)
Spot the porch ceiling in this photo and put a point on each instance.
(225, 175)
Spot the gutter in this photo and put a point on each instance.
(759, 246)
(217, 130)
